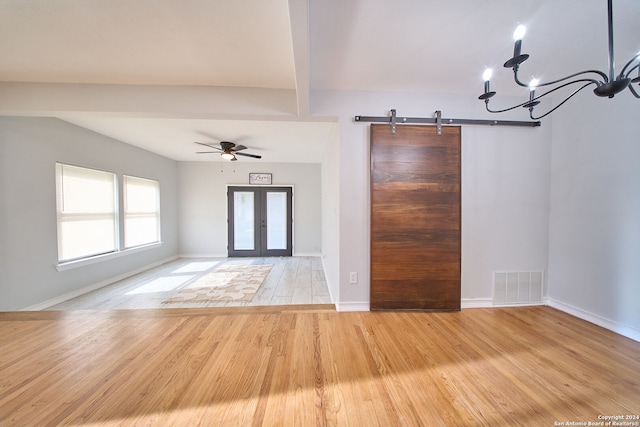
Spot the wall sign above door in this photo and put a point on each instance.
(260, 178)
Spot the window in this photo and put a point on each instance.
(141, 211)
(91, 220)
(86, 205)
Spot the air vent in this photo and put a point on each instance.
(517, 287)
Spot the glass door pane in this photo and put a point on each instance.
(243, 220)
(276, 220)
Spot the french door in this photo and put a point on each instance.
(260, 221)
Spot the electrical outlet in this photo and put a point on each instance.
(353, 277)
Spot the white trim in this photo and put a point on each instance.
(517, 304)
(352, 306)
(476, 303)
(105, 257)
(326, 279)
(313, 254)
(73, 294)
(203, 256)
(619, 328)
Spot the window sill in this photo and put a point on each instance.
(106, 257)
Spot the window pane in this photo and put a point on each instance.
(140, 230)
(86, 238)
(243, 220)
(276, 220)
(141, 211)
(142, 195)
(86, 202)
(87, 190)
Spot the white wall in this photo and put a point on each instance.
(505, 190)
(594, 233)
(29, 149)
(331, 215)
(203, 203)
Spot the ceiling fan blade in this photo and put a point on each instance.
(255, 156)
(209, 145)
(238, 148)
(207, 152)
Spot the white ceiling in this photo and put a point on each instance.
(275, 141)
(243, 43)
(282, 46)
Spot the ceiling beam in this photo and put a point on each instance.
(206, 102)
(299, 18)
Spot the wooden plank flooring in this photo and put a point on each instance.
(310, 365)
(292, 280)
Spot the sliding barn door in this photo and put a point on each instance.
(415, 218)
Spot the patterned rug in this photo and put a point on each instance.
(229, 282)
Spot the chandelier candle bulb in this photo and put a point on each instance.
(518, 34)
(486, 76)
(532, 88)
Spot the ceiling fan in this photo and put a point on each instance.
(228, 150)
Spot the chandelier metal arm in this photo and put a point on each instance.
(631, 61)
(515, 76)
(605, 79)
(559, 105)
(633, 91)
(486, 104)
(532, 102)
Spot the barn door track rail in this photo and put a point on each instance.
(438, 120)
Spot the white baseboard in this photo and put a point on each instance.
(352, 306)
(476, 303)
(464, 304)
(618, 328)
(73, 294)
(301, 254)
(202, 255)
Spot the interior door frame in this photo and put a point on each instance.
(260, 221)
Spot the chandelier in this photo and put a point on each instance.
(605, 85)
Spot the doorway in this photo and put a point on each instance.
(260, 221)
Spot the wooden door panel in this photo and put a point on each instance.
(422, 294)
(415, 218)
(419, 214)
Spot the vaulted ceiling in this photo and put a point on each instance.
(161, 74)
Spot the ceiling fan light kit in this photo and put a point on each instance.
(227, 155)
(605, 85)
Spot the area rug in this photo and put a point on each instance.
(229, 282)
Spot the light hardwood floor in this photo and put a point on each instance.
(292, 280)
(310, 365)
